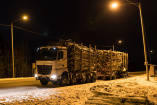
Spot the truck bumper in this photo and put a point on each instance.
(48, 77)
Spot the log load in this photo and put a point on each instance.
(81, 58)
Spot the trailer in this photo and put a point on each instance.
(112, 64)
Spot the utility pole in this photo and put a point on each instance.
(12, 48)
(144, 42)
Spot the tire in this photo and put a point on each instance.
(88, 78)
(93, 77)
(73, 80)
(83, 80)
(63, 81)
(44, 81)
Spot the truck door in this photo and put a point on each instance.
(61, 59)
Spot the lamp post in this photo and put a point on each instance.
(24, 17)
(114, 5)
(118, 42)
(151, 51)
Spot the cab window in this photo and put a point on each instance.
(60, 55)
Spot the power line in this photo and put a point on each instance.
(28, 31)
(33, 32)
(5, 25)
(136, 4)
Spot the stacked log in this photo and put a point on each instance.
(81, 58)
(111, 60)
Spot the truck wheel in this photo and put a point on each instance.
(94, 77)
(43, 81)
(73, 80)
(83, 80)
(64, 80)
(88, 78)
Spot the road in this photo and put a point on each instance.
(131, 74)
(30, 81)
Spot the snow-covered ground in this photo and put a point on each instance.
(119, 90)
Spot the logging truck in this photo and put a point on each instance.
(65, 63)
(70, 63)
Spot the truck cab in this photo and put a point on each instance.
(51, 63)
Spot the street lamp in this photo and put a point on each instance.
(151, 51)
(24, 18)
(119, 42)
(143, 32)
(114, 5)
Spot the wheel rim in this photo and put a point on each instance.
(64, 81)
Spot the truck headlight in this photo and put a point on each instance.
(53, 76)
(36, 75)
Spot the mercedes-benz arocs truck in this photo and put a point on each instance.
(64, 63)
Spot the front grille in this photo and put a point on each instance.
(44, 69)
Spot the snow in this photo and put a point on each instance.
(132, 88)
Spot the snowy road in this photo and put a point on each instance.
(30, 81)
(29, 91)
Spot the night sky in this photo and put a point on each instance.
(83, 21)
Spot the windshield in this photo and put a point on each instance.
(46, 54)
